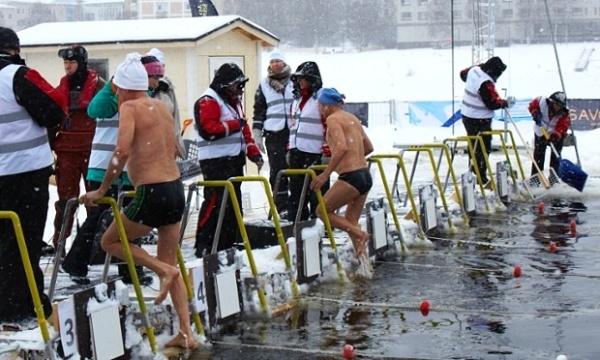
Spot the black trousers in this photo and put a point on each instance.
(27, 195)
(539, 153)
(474, 127)
(77, 260)
(218, 169)
(276, 144)
(298, 159)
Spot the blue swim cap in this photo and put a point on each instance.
(330, 96)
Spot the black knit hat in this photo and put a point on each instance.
(559, 98)
(9, 39)
(308, 70)
(228, 74)
(494, 67)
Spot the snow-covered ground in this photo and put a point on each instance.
(425, 74)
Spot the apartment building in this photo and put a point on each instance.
(427, 22)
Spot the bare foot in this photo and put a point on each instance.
(361, 244)
(183, 341)
(165, 285)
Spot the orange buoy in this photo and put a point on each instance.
(424, 307)
(517, 271)
(552, 247)
(348, 351)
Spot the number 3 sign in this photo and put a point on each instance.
(68, 331)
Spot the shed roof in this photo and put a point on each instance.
(134, 31)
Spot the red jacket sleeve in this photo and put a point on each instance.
(534, 107)
(562, 125)
(490, 96)
(45, 105)
(207, 115)
(252, 151)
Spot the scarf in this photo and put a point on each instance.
(279, 80)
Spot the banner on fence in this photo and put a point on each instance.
(584, 113)
(360, 110)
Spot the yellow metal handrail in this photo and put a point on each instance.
(311, 173)
(35, 295)
(276, 224)
(240, 221)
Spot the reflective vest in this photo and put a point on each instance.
(104, 143)
(472, 104)
(24, 144)
(306, 128)
(548, 123)
(278, 105)
(230, 145)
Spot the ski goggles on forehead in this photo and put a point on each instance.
(70, 53)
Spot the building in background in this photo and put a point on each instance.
(194, 48)
(427, 22)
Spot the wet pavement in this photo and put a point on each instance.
(478, 308)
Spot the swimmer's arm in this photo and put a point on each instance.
(367, 145)
(122, 150)
(337, 141)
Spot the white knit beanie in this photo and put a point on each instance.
(277, 55)
(131, 74)
(157, 54)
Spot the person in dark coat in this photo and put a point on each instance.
(73, 142)
(29, 105)
(226, 141)
(479, 102)
(307, 144)
(552, 115)
(272, 103)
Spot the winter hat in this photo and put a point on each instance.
(277, 55)
(494, 67)
(330, 96)
(560, 98)
(75, 52)
(8, 39)
(131, 74)
(228, 74)
(157, 54)
(153, 66)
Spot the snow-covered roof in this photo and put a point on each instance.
(131, 31)
(3, 6)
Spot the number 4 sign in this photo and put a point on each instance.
(199, 288)
(68, 331)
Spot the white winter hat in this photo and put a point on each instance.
(157, 54)
(131, 74)
(277, 55)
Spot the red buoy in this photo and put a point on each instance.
(552, 247)
(573, 226)
(348, 351)
(540, 207)
(517, 271)
(424, 307)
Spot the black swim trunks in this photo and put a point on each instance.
(360, 179)
(157, 204)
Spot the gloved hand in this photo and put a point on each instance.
(537, 117)
(257, 134)
(258, 160)
(554, 137)
(510, 101)
(243, 123)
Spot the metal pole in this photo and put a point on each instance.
(562, 81)
(452, 62)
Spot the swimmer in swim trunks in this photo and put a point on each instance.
(144, 144)
(349, 145)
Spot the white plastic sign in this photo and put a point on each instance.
(502, 179)
(228, 302)
(468, 188)
(68, 329)
(379, 234)
(199, 288)
(312, 256)
(106, 333)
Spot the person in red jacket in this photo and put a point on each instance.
(552, 115)
(73, 142)
(226, 141)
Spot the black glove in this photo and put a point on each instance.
(243, 123)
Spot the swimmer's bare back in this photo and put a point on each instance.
(344, 130)
(146, 130)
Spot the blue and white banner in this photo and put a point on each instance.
(439, 113)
